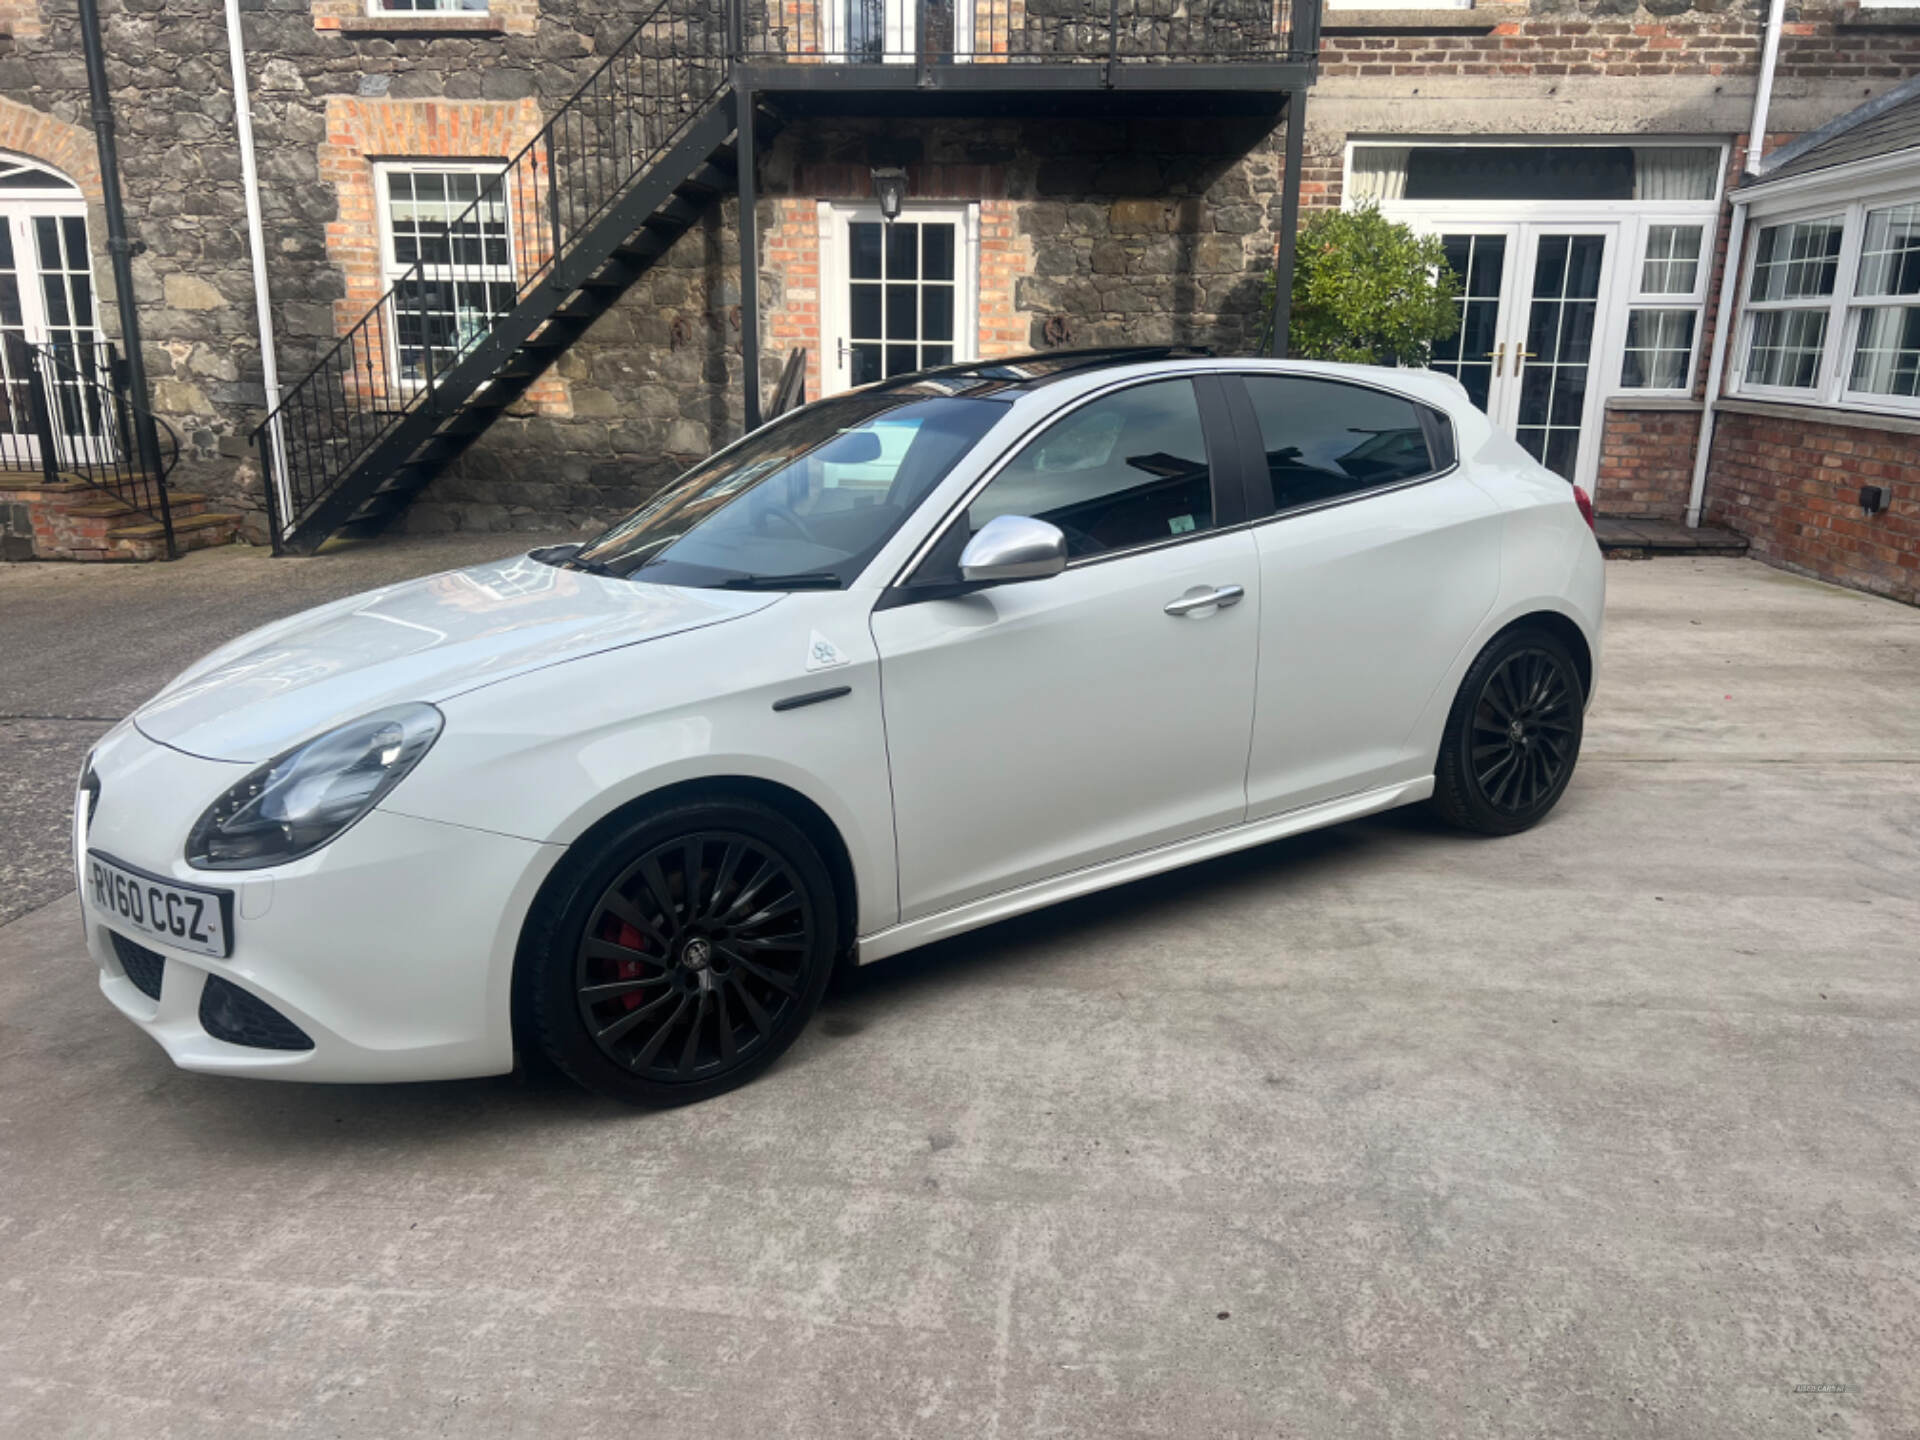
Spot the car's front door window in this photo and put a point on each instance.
(1127, 470)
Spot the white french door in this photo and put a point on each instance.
(46, 297)
(1535, 303)
(882, 31)
(898, 297)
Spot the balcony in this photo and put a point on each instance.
(1026, 56)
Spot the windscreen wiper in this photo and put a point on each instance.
(595, 567)
(805, 580)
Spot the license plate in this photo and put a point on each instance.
(183, 916)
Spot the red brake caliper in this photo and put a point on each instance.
(632, 939)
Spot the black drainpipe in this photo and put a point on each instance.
(119, 253)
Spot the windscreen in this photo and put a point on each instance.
(804, 502)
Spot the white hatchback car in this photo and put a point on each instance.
(901, 663)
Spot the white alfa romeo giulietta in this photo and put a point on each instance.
(903, 662)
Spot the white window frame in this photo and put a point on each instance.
(1843, 308)
(834, 217)
(426, 7)
(1857, 308)
(1638, 297)
(1751, 309)
(1338, 5)
(392, 271)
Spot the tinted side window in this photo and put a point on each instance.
(1325, 440)
(1124, 471)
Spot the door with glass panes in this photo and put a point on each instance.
(1534, 299)
(46, 298)
(899, 296)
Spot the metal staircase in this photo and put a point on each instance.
(494, 296)
(638, 153)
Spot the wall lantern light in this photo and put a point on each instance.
(890, 189)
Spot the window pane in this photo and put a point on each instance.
(936, 311)
(1480, 263)
(1887, 360)
(1797, 261)
(1890, 257)
(1672, 263)
(903, 251)
(937, 252)
(1659, 348)
(1785, 348)
(865, 311)
(1121, 472)
(863, 247)
(1325, 440)
(902, 323)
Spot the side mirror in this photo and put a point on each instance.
(1014, 547)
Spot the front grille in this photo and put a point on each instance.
(231, 1014)
(144, 967)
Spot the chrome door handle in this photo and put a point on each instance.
(1200, 599)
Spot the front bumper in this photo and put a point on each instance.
(391, 948)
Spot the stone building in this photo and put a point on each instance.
(1580, 158)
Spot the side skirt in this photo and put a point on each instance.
(975, 913)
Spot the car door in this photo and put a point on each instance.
(1378, 560)
(1041, 726)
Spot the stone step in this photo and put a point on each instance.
(192, 524)
(183, 502)
(1628, 537)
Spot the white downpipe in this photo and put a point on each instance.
(257, 248)
(1730, 276)
(1716, 367)
(1763, 93)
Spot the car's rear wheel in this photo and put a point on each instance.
(1513, 735)
(684, 954)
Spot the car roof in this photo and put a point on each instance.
(1010, 376)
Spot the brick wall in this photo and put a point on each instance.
(20, 19)
(1646, 462)
(1818, 46)
(1792, 486)
(360, 132)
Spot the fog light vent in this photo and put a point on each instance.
(231, 1014)
(144, 967)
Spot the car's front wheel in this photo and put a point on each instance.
(1513, 735)
(683, 954)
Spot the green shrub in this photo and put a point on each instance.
(1366, 290)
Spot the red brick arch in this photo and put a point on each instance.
(36, 135)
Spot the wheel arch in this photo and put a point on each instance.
(1564, 629)
(803, 811)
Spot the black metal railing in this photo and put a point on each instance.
(468, 268)
(1071, 32)
(66, 413)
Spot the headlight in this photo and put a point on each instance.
(299, 801)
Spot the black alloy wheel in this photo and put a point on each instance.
(689, 956)
(1513, 735)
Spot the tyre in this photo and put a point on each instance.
(682, 955)
(1512, 736)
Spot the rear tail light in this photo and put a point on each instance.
(1585, 502)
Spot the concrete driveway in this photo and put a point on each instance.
(1604, 1130)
